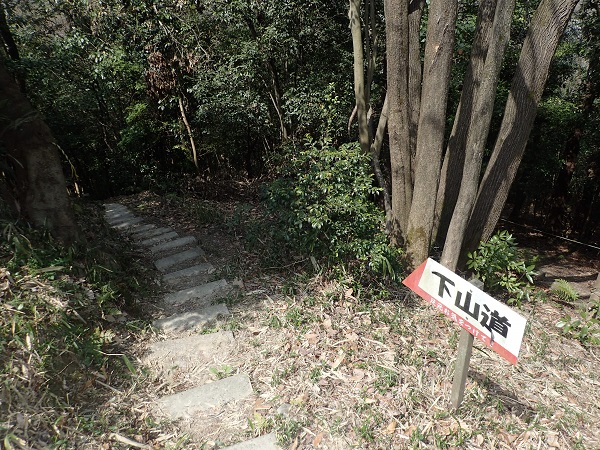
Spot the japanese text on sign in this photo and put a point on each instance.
(492, 322)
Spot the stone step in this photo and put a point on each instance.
(116, 217)
(192, 319)
(203, 294)
(127, 223)
(114, 207)
(264, 442)
(191, 356)
(143, 235)
(166, 236)
(142, 229)
(187, 273)
(173, 244)
(168, 262)
(205, 397)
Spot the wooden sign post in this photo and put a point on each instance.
(481, 316)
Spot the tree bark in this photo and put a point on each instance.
(11, 46)
(436, 77)
(454, 160)
(40, 182)
(359, 77)
(546, 29)
(397, 48)
(375, 152)
(478, 130)
(189, 132)
(415, 73)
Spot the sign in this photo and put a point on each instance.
(487, 319)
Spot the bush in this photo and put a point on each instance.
(497, 263)
(324, 206)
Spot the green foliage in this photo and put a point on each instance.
(498, 265)
(564, 290)
(324, 205)
(585, 328)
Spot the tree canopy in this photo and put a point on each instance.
(452, 102)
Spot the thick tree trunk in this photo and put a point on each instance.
(454, 160)
(415, 72)
(436, 78)
(39, 179)
(546, 29)
(397, 48)
(479, 126)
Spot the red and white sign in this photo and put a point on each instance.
(490, 321)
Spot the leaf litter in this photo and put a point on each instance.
(335, 369)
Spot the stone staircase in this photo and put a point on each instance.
(184, 362)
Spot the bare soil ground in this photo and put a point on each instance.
(337, 365)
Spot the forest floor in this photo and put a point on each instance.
(335, 362)
(339, 365)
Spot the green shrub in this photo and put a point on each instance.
(324, 206)
(497, 263)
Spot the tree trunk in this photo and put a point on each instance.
(436, 77)
(454, 160)
(375, 152)
(415, 72)
(479, 126)
(189, 132)
(10, 46)
(546, 29)
(40, 182)
(359, 77)
(397, 48)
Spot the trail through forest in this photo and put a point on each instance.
(250, 357)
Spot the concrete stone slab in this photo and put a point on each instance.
(265, 442)
(189, 272)
(111, 207)
(192, 319)
(127, 223)
(202, 293)
(138, 230)
(207, 396)
(189, 352)
(174, 244)
(159, 238)
(165, 264)
(116, 217)
(143, 235)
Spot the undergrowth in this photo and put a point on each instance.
(323, 208)
(499, 265)
(61, 331)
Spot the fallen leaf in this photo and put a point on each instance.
(295, 444)
(552, 440)
(327, 323)
(260, 404)
(391, 427)
(312, 338)
(357, 375)
(255, 330)
(338, 361)
(300, 399)
(317, 440)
